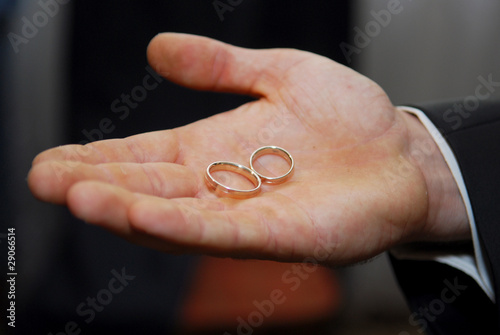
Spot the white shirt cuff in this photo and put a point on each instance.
(474, 263)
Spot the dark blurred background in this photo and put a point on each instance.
(63, 68)
(67, 65)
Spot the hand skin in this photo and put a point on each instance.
(368, 176)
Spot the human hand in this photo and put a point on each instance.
(358, 187)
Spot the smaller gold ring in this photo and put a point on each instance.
(273, 150)
(223, 190)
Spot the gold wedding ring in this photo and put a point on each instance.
(224, 190)
(251, 174)
(273, 150)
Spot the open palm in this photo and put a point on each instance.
(355, 191)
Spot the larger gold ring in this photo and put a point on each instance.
(224, 190)
(273, 150)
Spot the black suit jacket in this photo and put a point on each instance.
(444, 300)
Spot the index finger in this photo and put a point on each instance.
(158, 146)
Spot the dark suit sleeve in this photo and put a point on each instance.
(471, 127)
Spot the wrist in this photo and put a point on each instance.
(446, 216)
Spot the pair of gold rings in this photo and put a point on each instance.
(251, 173)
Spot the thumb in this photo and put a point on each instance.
(206, 64)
